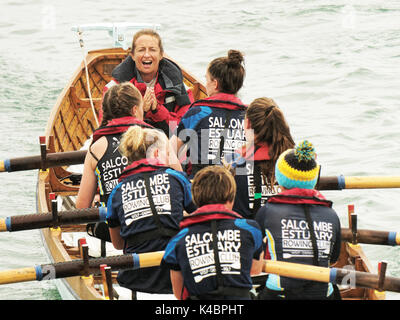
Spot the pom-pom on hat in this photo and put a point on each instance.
(297, 168)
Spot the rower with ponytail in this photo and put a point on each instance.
(213, 127)
(122, 108)
(267, 136)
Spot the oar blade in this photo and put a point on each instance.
(357, 182)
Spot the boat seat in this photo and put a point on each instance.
(71, 239)
(78, 102)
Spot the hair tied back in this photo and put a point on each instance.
(269, 110)
(235, 58)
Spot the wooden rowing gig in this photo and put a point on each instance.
(70, 125)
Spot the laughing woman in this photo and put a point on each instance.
(159, 80)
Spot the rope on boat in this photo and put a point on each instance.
(81, 43)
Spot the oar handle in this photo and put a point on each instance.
(332, 275)
(44, 220)
(357, 182)
(57, 159)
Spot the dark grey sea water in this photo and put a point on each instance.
(332, 66)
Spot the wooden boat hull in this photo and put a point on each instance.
(352, 256)
(70, 125)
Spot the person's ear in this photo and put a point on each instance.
(247, 124)
(216, 87)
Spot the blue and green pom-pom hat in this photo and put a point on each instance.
(297, 168)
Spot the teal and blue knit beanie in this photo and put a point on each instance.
(297, 168)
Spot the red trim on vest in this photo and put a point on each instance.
(118, 125)
(210, 101)
(300, 196)
(207, 213)
(143, 165)
(261, 153)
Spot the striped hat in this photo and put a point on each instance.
(297, 168)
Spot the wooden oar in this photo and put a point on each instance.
(358, 182)
(389, 238)
(57, 159)
(334, 275)
(80, 216)
(78, 268)
(60, 159)
(51, 219)
(81, 267)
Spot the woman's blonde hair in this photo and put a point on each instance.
(138, 143)
(213, 185)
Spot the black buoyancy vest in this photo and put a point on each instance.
(221, 290)
(110, 167)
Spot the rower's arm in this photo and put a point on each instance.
(256, 266)
(88, 186)
(177, 283)
(116, 239)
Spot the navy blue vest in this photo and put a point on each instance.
(148, 205)
(251, 189)
(284, 222)
(211, 128)
(193, 252)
